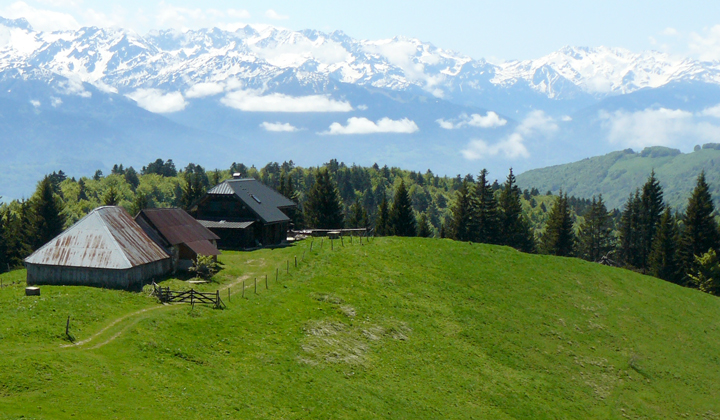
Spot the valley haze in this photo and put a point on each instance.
(85, 99)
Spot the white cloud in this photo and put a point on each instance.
(177, 17)
(402, 54)
(491, 120)
(73, 86)
(357, 125)
(55, 102)
(711, 112)
(279, 127)
(566, 118)
(155, 100)
(535, 124)
(706, 46)
(202, 90)
(270, 13)
(670, 31)
(252, 101)
(40, 19)
(362, 107)
(35, 103)
(659, 127)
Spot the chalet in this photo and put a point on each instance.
(244, 213)
(179, 234)
(106, 248)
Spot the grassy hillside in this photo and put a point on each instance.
(399, 328)
(617, 174)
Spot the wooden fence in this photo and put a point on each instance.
(165, 295)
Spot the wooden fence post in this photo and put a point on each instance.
(296, 261)
(288, 266)
(67, 328)
(277, 272)
(322, 240)
(266, 285)
(342, 242)
(303, 257)
(331, 245)
(311, 246)
(243, 288)
(256, 285)
(228, 294)
(217, 298)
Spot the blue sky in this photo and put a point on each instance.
(508, 29)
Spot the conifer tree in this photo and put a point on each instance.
(514, 228)
(462, 215)
(402, 217)
(595, 236)
(383, 218)
(701, 231)
(705, 274)
(358, 217)
(140, 202)
(47, 214)
(559, 237)
(651, 210)
(16, 235)
(323, 209)
(485, 211)
(664, 261)
(629, 231)
(424, 229)
(111, 197)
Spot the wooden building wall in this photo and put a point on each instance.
(129, 279)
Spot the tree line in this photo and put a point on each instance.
(646, 235)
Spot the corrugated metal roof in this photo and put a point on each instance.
(203, 248)
(106, 238)
(176, 226)
(263, 201)
(222, 224)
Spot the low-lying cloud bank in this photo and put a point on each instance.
(661, 127)
(536, 123)
(155, 100)
(357, 125)
(253, 101)
(491, 120)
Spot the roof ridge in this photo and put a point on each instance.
(115, 243)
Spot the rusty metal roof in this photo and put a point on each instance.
(106, 238)
(176, 226)
(262, 200)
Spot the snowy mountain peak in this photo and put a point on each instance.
(257, 55)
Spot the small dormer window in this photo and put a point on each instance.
(255, 198)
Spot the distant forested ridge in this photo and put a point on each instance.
(617, 174)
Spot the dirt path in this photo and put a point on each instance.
(112, 324)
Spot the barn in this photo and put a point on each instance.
(244, 213)
(179, 234)
(106, 248)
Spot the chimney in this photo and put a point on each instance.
(236, 175)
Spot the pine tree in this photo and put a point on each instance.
(595, 236)
(701, 231)
(16, 235)
(462, 215)
(651, 210)
(358, 217)
(485, 211)
(664, 261)
(111, 197)
(47, 214)
(514, 228)
(323, 209)
(140, 202)
(402, 217)
(559, 237)
(424, 229)
(629, 231)
(383, 218)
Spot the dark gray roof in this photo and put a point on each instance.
(263, 201)
(222, 224)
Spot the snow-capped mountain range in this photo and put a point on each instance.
(73, 100)
(257, 56)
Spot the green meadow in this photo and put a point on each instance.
(396, 328)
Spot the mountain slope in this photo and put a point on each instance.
(618, 174)
(358, 331)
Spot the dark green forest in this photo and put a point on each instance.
(645, 235)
